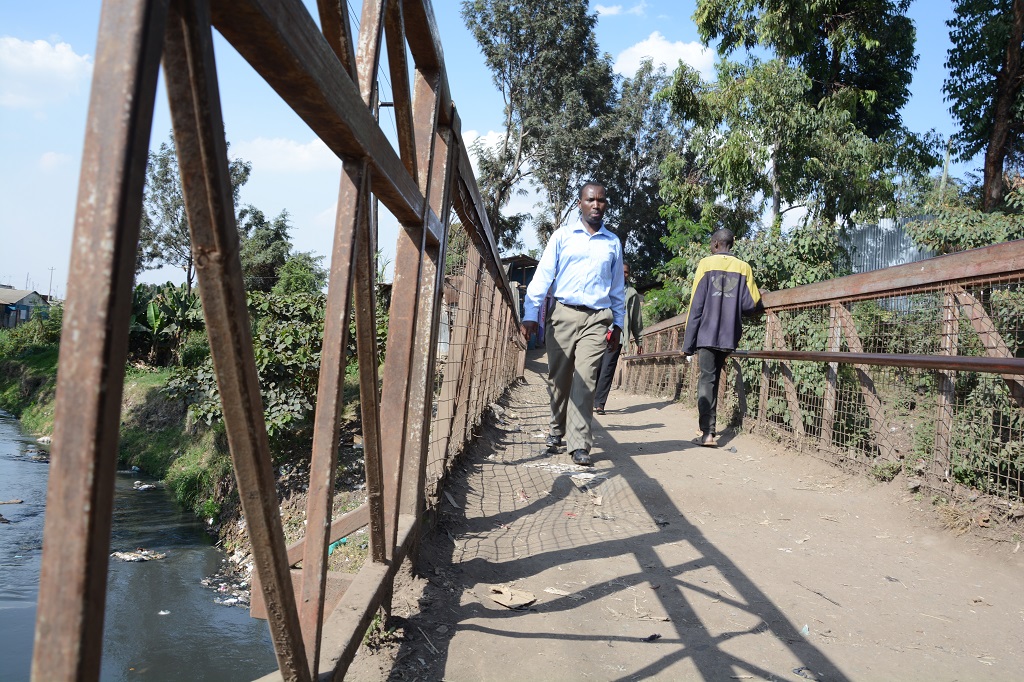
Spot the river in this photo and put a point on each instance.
(161, 622)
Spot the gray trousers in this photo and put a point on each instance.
(575, 344)
(710, 362)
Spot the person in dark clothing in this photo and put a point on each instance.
(634, 328)
(723, 293)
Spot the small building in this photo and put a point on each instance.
(520, 270)
(18, 305)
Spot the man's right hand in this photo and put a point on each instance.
(528, 328)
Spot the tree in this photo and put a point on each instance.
(984, 86)
(639, 136)
(265, 247)
(302, 273)
(955, 222)
(545, 63)
(164, 237)
(859, 50)
(755, 138)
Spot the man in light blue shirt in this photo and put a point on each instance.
(582, 264)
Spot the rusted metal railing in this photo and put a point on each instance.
(916, 368)
(452, 344)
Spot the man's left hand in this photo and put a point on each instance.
(613, 337)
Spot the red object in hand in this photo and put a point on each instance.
(608, 336)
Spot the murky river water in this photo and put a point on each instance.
(196, 640)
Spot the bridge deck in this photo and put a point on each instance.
(749, 562)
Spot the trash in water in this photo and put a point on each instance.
(651, 638)
(163, 613)
(139, 554)
(139, 485)
(511, 598)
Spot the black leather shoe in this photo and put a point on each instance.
(555, 444)
(581, 457)
(599, 410)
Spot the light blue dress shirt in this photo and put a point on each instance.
(586, 270)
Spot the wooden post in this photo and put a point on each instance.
(792, 398)
(947, 383)
(876, 411)
(995, 347)
(762, 400)
(828, 410)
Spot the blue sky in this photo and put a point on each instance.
(46, 57)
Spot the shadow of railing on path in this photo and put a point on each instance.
(693, 640)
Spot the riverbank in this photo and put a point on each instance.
(192, 460)
(162, 615)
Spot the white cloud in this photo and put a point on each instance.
(488, 140)
(282, 155)
(661, 51)
(639, 9)
(53, 160)
(34, 74)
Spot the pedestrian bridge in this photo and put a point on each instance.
(916, 370)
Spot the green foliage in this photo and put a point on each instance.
(40, 332)
(288, 336)
(885, 471)
(545, 62)
(806, 254)
(758, 137)
(986, 450)
(265, 246)
(956, 222)
(980, 31)
(28, 380)
(639, 136)
(302, 273)
(859, 50)
(194, 476)
(163, 318)
(164, 237)
(457, 248)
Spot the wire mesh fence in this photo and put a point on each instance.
(476, 355)
(924, 378)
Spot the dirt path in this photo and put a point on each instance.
(671, 561)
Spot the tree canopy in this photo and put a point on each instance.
(861, 51)
(164, 237)
(984, 87)
(545, 62)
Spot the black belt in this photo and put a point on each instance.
(581, 308)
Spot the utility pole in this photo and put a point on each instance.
(49, 290)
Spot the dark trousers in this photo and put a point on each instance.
(710, 362)
(604, 380)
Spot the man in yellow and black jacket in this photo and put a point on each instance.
(723, 293)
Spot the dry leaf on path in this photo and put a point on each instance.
(511, 598)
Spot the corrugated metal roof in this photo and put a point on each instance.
(12, 296)
(883, 245)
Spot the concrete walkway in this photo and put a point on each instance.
(671, 561)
